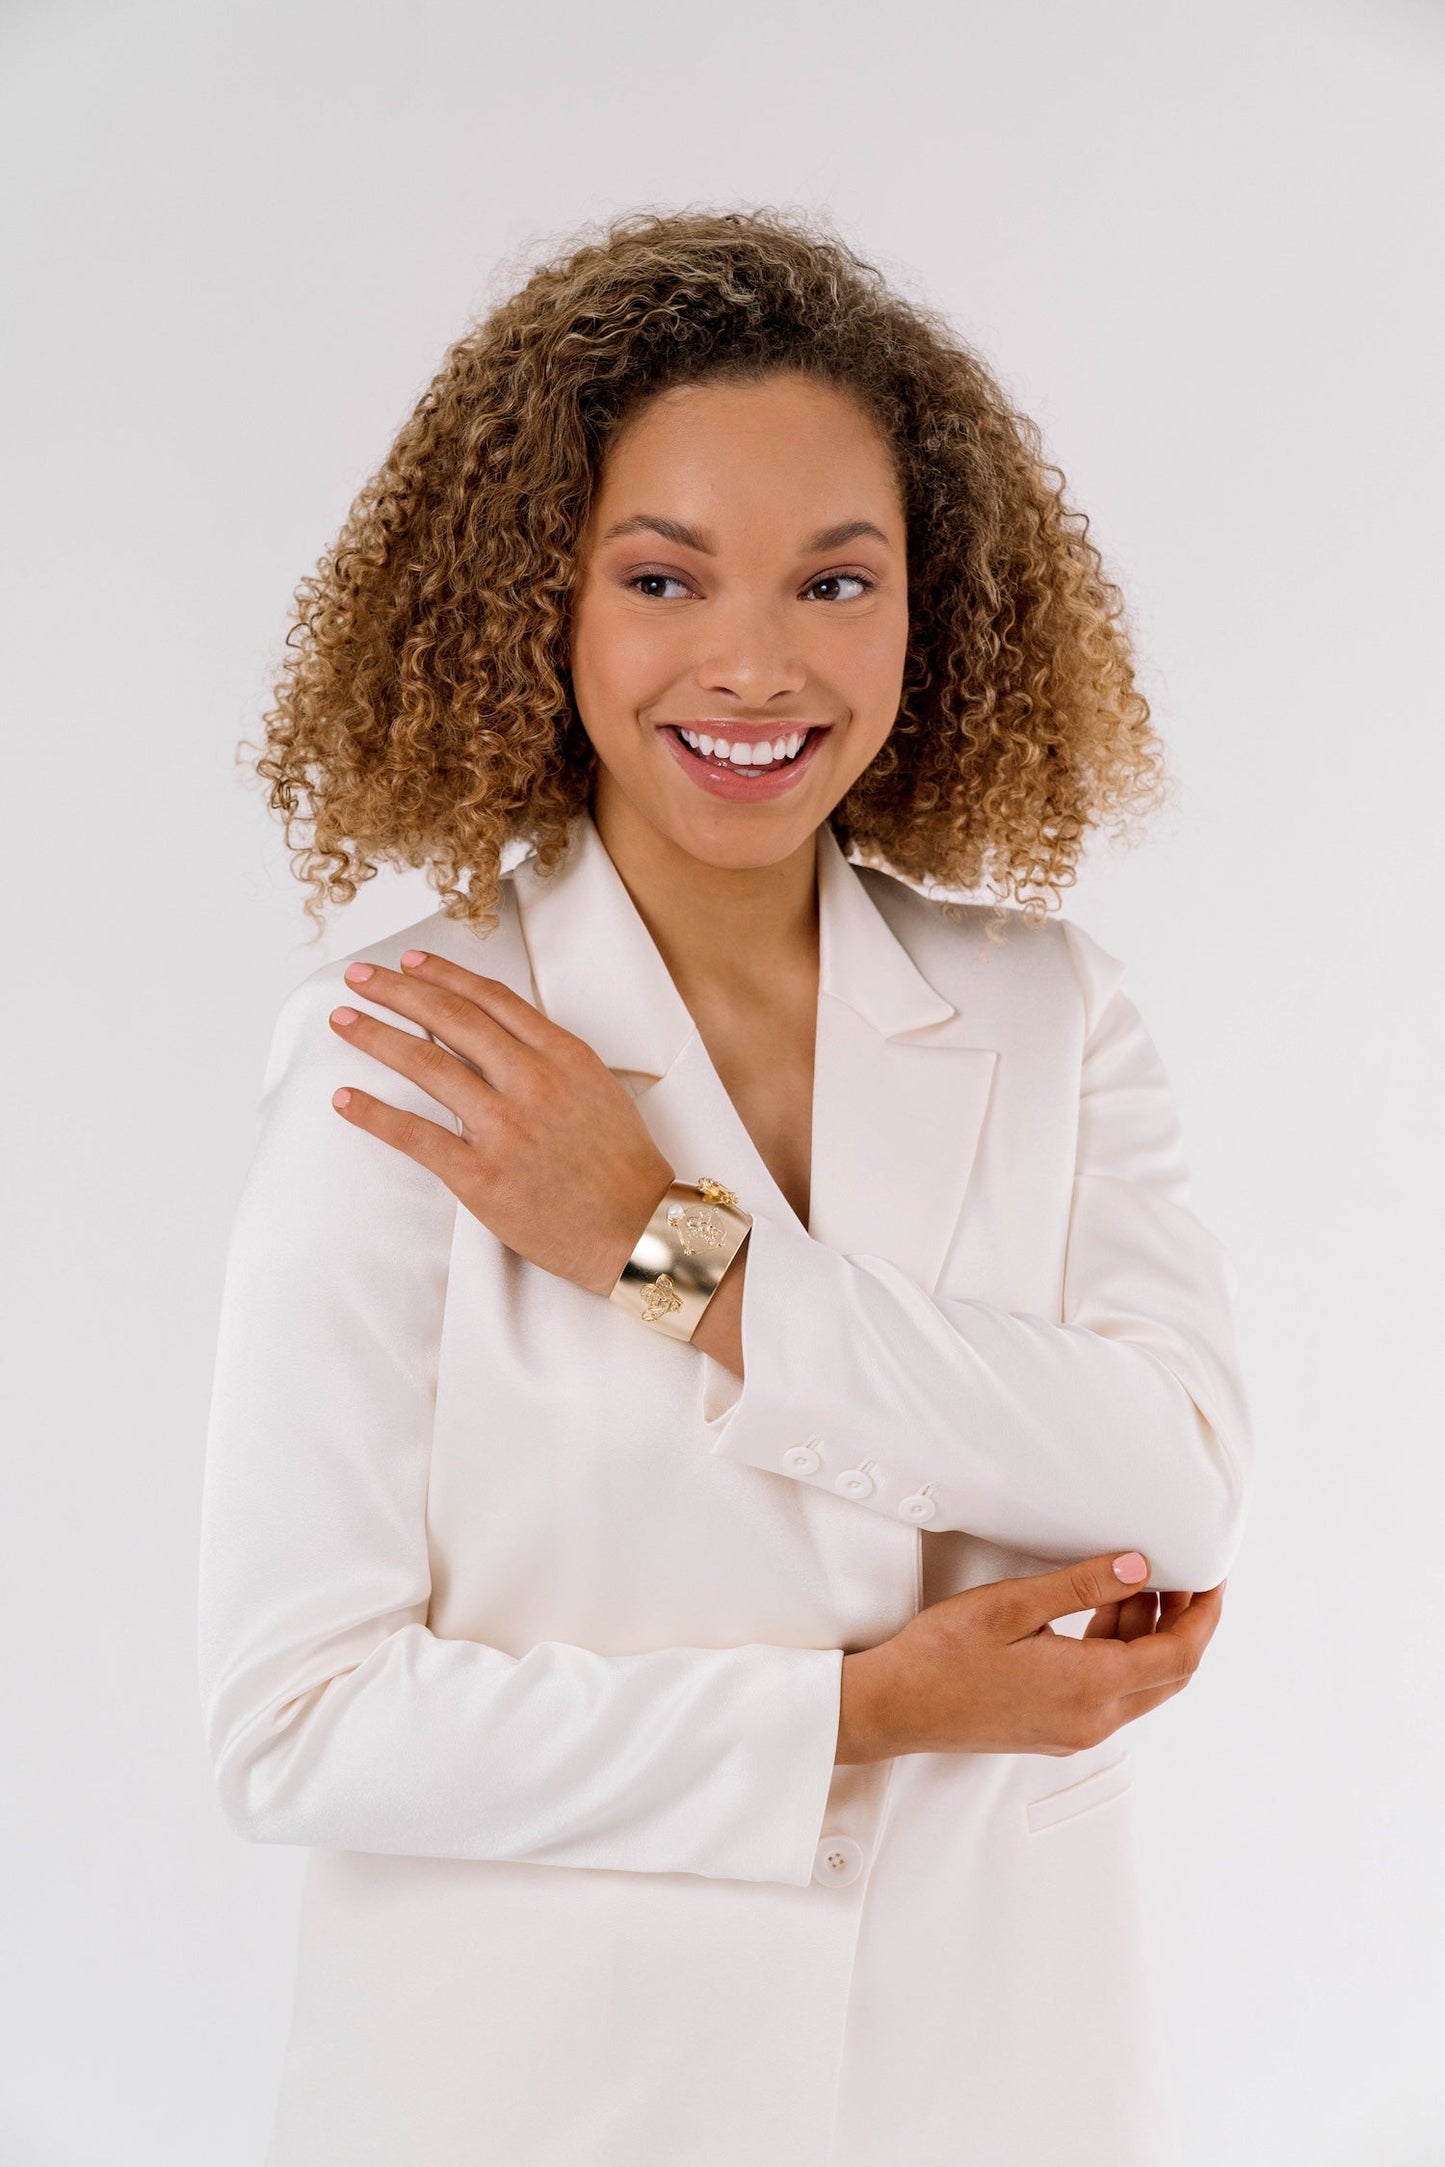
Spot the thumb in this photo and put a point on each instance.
(1034, 1598)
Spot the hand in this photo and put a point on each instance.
(985, 1672)
(553, 1157)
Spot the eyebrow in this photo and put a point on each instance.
(672, 530)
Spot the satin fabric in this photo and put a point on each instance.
(530, 1623)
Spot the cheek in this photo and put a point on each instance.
(888, 654)
(617, 659)
(869, 666)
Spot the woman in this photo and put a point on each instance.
(691, 1331)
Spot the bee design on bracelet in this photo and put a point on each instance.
(660, 1298)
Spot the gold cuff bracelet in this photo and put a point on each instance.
(681, 1255)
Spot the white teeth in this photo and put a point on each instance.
(745, 755)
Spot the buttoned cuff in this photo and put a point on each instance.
(793, 1300)
(823, 1389)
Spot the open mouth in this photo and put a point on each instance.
(744, 767)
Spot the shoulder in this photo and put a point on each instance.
(973, 952)
(476, 950)
(440, 935)
(302, 1020)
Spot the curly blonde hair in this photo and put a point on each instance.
(424, 712)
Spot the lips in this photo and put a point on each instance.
(725, 781)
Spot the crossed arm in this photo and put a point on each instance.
(1124, 1422)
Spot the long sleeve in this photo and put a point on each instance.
(334, 1716)
(1124, 1425)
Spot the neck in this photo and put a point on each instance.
(714, 926)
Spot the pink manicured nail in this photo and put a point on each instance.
(343, 1015)
(1131, 1566)
(341, 1097)
(414, 955)
(358, 973)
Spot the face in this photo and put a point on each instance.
(740, 622)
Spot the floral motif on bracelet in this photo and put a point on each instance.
(697, 1228)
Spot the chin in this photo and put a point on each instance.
(741, 851)
(733, 840)
(719, 832)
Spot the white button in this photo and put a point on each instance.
(855, 1482)
(917, 1507)
(801, 1460)
(837, 1861)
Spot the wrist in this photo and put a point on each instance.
(680, 1259)
(647, 1194)
(867, 1725)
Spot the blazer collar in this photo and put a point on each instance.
(599, 973)
(900, 1089)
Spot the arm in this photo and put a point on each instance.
(1126, 1423)
(334, 1716)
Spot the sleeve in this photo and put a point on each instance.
(334, 1716)
(1125, 1424)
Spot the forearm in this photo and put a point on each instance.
(1119, 1426)
(712, 1761)
(720, 1329)
(868, 1725)
(1118, 1418)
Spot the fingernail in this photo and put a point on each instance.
(358, 973)
(343, 1015)
(341, 1097)
(414, 955)
(1131, 1566)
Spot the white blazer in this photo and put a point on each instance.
(531, 1624)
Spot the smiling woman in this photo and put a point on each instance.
(771, 659)
(426, 712)
(697, 1325)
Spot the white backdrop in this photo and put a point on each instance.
(1196, 244)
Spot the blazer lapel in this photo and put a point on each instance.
(899, 1091)
(899, 1088)
(596, 968)
(598, 972)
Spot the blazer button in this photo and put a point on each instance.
(801, 1460)
(855, 1482)
(837, 1861)
(918, 1507)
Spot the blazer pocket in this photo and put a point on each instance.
(1081, 1796)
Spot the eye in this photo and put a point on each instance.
(641, 581)
(842, 579)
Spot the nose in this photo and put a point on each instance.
(752, 654)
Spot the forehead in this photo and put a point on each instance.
(784, 439)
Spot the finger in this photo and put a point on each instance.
(522, 1018)
(1137, 1614)
(1021, 1604)
(442, 1150)
(1133, 1705)
(1174, 1651)
(465, 1025)
(1124, 1620)
(443, 1077)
